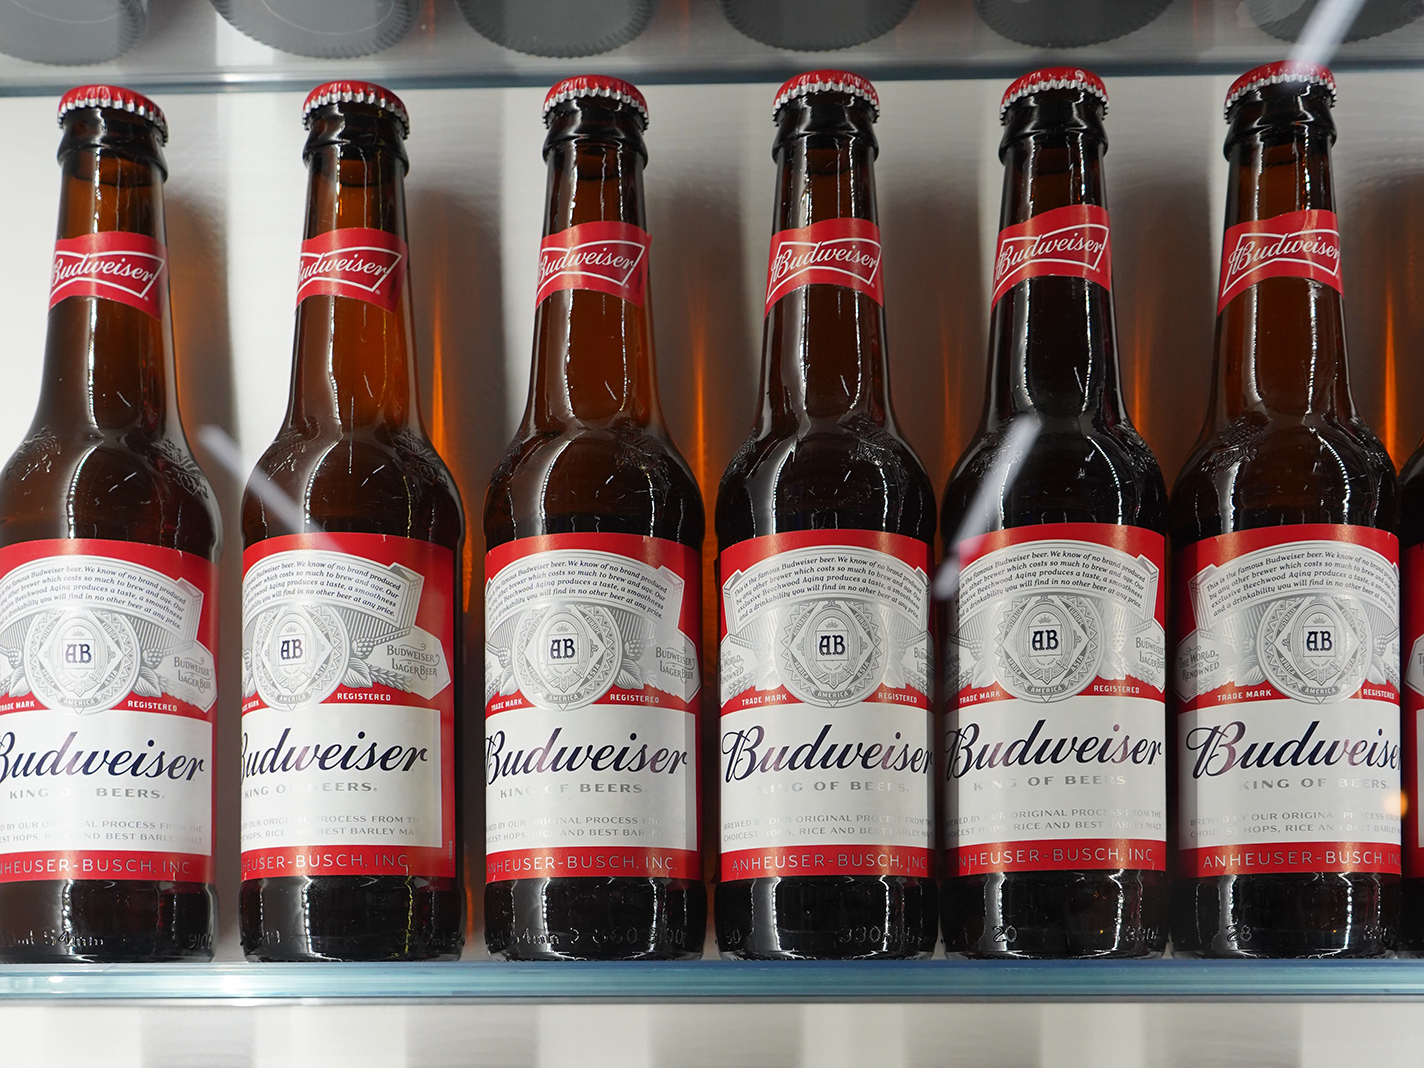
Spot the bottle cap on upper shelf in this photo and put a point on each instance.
(597, 85)
(1054, 78)
(118, 98)
(1290, 70)
(826, 81)
(356, 93)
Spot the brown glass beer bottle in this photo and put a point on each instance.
(350, 596)
(1411, 569)
(1055, 764)
(593, 532)
(109, 535)
(824, 526)
(1285, 617)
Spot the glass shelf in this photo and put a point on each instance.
(1182, 980)
(187, 46)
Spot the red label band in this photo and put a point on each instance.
(583, 862)
(1071, 242)
(136, 866)
(825, 860)
(606, 257)
(1298, 244)
(1065, 854)
(1286, 858)
(115, 265)
(343, 860)
(107, 693)
(835, 252)
(356, 262)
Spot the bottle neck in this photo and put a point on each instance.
(354, 367)
(109, 365)
(1053, 337)
(823, 348)
(593, 351)
(1280, 343)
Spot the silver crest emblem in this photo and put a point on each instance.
(566, 655)
(81, 659)
(300, 653)
(1048, 646)
(1315, 648)
(832, 652)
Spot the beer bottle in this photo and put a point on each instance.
(1411, 563)
(351, 616)
(109, 535)
(1055, 759)
(593, 531)
(1286, 608)
(824, 522)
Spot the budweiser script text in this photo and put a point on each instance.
(627, 759)
(964, 753)
(1223, 748)
(748, 754)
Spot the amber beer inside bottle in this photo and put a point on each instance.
(593, 456)
(825, 454)
(352, 456)
(1054, 365)
(105, 458)
(1283, 444)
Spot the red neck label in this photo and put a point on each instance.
(1070, 242)
(606, 257)
(1298, 244)
(833, 252)
(356, 262)
(115, 265)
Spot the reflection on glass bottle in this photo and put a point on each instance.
(1067, 23)
(74, 32)
(815, 25)
(559, 28)
(324, 29)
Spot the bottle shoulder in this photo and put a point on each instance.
(619, 478)
(851, 474)
(380, 481)
(1072, 471)
(115, 485)
(1260, 471)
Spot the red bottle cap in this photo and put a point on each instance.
(356, 93)
(1054, 78)
(597, 85)
(826, 81)
(113, 96)
(1289, 70)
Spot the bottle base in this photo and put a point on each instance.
(595, 919)
(827, 917)
(1056, 915)
(106, 922)
(351, 918)
(1296, 916)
